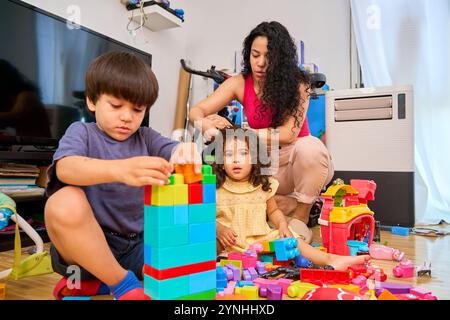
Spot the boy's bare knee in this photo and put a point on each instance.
(67, 206)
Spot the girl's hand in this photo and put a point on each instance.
(285, 232)
(218, 121)
(226, 236)
(186, 153)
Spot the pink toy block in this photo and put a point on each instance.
(423, 294)
(284, 283)
(261, 282)
(256, 247)
(403, 271)
(274, 292)
(263, 292)
(247, 260)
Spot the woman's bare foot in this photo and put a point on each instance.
(286, 204)
(343, 262)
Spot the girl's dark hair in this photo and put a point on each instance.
(280, 90)
(123, 75)
(252, 141)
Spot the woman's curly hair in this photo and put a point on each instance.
(280, 90)
(252, 141)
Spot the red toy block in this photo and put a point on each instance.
(320, 276)
(179, 271)
(195, 193)
(286, 263)
(148, 195)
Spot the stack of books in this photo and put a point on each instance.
(18, 180)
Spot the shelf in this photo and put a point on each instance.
(158, 18)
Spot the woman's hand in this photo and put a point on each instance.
(226, 236)
(219, 121)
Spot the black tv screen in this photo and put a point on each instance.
(43, 61)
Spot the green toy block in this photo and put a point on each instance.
(206, 169)
(177, 178)
(157, 217)
(272, 246)
(209, 179)
(203, 212)
(206, 295)
(166, 289)
(163, 195)
(164, 237)
(209, 158)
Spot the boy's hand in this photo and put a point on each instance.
(285, 232)
(226, 236)
(186, 153)
(142, 171)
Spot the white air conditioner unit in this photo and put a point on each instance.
(370, 135)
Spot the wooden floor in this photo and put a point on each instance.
(417, 248)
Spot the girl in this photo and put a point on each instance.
(245, 201)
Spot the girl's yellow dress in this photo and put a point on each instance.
(242, 207)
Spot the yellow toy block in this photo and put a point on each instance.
(2, 291)
(266, 246)
(163, 195)
(251, 292)
(298, 289)
(349, 287)
(180, 190)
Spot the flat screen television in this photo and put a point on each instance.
(43, 61)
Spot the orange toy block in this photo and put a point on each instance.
(187, 170)
(2, 291)
(387, 295)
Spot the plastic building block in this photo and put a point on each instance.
(251, 292)
(208, 176)
(177, 235)
(147, 195)
(163, 195)
(248, 261)
(156, 217)
(246, 275)
(2, 291)
(180, 214)
(202, 232)
(266, 258)
(187, 170)
(195, 192)
(423, 294)
(228, 273)
(263, 292)
(303, 262)
(298, 289)
(394, 288)
(260, 267)
(286, 249)
(77, 298)
(284, 283)
(274, 292)
(206, 295)
(202, 281)
(324, 276)
(401, 231)
(244, 283)
(253, 273)
(209, 193)
(179, 271)
(349, 287)
(256, 247)
(403, 271)
(357, 246)
(236, 271)
(166, 289)
(200, 213)
(386, 295)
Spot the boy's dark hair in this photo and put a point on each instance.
(252, 141)
(123, 75)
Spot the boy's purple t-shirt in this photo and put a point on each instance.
(116, 206)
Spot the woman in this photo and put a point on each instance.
(275, 95)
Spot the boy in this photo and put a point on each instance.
(94, 214)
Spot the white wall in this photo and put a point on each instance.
(217, 29)
(213, 31)
(167, 47)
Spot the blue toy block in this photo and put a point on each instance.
(180, 214)
(201, 213)
(401, 231)
(221, 279)
(209, 193)
(286, 249)
(244, 283)
(357, 246)
(77, 298)
(202, 281)
(171, 257)
(167, 236)
(147, 254)
(202, 232)
(157, 217)
(266, 258)
(166, 289)
(302, 262)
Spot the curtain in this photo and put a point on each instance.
(408, 42)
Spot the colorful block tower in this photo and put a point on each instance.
(180, 236)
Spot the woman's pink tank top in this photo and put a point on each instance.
(261, 120)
